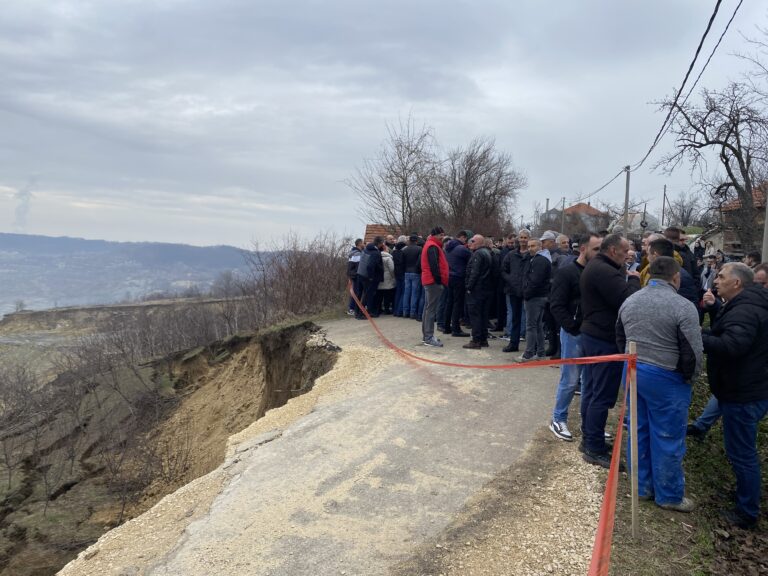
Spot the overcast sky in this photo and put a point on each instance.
(234, 121)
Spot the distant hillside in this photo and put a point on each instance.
(45, 272)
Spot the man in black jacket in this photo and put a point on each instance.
(512, 270)
(737, 366)
(412, 278)
(565, 305)
(536, 284)
(479, 290)
(675, 235)
(605, 284)
(371, 271)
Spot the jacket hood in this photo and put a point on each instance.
(755, 295)
(452, 244)
(400, 245)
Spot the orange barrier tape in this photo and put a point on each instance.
(514, 366)
(601, 552)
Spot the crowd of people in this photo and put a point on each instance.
(590, 296)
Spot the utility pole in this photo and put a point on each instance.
(562, 223)
(626, 203)
(663, 206)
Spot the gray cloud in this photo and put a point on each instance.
(257, 111)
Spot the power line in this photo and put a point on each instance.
(713, 51)
(588, 196)
(663, 128)
(701, 73)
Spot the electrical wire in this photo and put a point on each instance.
(664, 125)
(588, 196)
(701, 73)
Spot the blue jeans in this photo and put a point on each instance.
(663, 399)
(740, 434)
(599, 391)
(411, 294)
(709, 416)
(570, 347)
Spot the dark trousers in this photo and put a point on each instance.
(600, 389)
(441, 307)
(478, 303)
(501, 307)
(357, 288)
(385, 300)
(551, 332)
(515, 304)
(369, 297)
(454, 304)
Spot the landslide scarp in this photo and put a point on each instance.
(88, 467)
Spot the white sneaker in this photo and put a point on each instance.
(560, 429)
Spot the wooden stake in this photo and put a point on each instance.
(632, 367)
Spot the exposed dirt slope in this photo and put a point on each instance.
(214, 393)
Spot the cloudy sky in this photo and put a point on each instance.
(235, 121)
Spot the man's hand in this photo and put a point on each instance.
(633, 274)
(708, 298)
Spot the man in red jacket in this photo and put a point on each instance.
(434, 277)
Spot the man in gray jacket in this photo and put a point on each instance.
(665, 327)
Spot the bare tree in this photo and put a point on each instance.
(732, 126)
(477, 187)
(389, 186)
(686, 209)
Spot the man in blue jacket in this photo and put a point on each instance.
(458, 255)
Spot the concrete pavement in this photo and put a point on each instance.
(355, 486)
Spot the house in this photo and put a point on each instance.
(731, 243)
(373, 230)
(579, 218)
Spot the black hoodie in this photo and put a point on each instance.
(737, 348)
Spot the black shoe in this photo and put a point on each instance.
(472, 345)
(737, 518)
(484, 344)
(510, 348)
(445, 331)
(696, 432)
(601, 459)
(460, 334)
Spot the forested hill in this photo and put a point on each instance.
(44, 271)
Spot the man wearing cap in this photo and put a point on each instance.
(434, 277)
